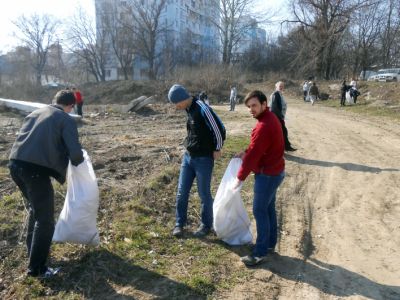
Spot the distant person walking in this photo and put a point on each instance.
(264, 157)
(354, 93)
(204, 141)
(278, 106)
(314, 93)
(306, 87)
(47, 140)
(232, 98)
(78, 101)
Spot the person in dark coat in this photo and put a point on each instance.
(278, 106)
(205, 138)
(343, 89)
(47, 141)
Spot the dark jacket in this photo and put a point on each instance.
(276, 105)
(344, 88)
(48, 139)
(205, 131)
(313, 90)
(265, 152)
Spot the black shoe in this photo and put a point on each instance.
(178, 231)
(290, 148)
(251, 260)
(202, 231)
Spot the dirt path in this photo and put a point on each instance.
(339, 208)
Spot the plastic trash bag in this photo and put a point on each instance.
(349, 99)
(231, 222)
(77, 220)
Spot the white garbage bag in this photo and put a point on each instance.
(349, 99)
(77, 221)
(231, 222)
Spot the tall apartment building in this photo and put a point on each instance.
(253, 36)
(191, 31)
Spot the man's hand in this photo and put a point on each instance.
(237, 184)
(240, 155)
(216, 154)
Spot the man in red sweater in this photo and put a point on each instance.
(264, 157)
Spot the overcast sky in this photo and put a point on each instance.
(62, 9)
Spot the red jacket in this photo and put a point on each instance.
(265, 152)
(78, 97)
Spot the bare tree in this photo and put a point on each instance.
(235, 19)
(391, 32)
(147, 30)
(37, 32)
(365, 31)
(88, 44)
(118, 24)
(55, 64)
(323, 22)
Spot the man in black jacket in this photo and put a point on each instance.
(204, 141)
(278, 106)
(47, 140)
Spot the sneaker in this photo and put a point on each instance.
(202, 231)
(178, 231)
(250, 260)
(50, 272)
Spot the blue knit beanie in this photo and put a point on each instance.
(177, 93)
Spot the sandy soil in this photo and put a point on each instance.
(339, 208)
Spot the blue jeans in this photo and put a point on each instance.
(265, 188)
(201, 168)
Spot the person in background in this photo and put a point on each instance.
(203, 97)
(343, 90)
(232, 98)
(353, 90)
(278, 106)
(78, 101)
(353, 83)
(264, 157)
(306, 87)
(314, 93)
(204, 141)
(47, 141)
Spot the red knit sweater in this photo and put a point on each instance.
(78, 97)
(265, 152)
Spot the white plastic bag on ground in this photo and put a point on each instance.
(231, 222)
(77, 221)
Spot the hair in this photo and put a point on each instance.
(278, 83)
(256, 94)
(64, 97)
